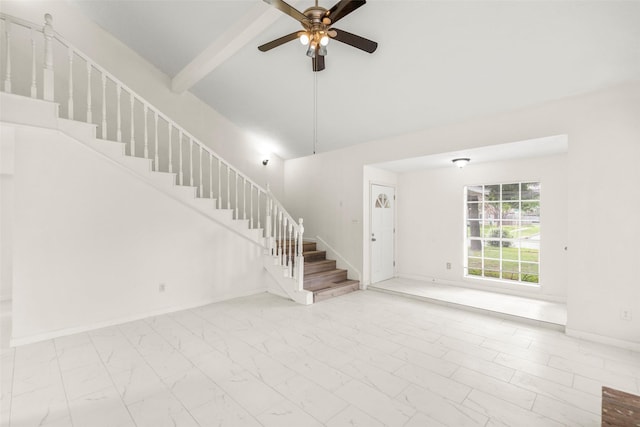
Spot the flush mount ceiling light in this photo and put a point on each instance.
(461, 162)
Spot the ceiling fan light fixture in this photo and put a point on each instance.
(324, 40)
(304, 39)
(311, 51)
(322, 50)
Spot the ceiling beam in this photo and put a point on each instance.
(256, 20)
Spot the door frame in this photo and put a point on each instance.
(367, 236)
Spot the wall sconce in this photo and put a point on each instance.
(265, 161)
(461, 162)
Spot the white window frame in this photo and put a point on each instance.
(519, 240)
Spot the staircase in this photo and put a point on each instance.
(321, 277)
(105, 115)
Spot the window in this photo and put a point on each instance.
(503, 232)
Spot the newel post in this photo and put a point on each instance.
(300, 257)
(48, 32)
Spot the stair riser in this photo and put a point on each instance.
(334, 292)
(315, 256)
(338, 276)
(317, 268)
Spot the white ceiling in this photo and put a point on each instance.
(438, 62)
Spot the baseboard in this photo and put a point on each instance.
(15, 342)
(601, 339)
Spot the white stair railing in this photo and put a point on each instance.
(86, 91)
(285, 240)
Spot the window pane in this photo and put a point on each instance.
(511, 252)
(488, 228)
(492, 192)
(530, 272)
(531, 211)
(492, 249)
(473, 210)
(530, 251)
(473, 228)
(492, 273)
(510, 270)
(510, 211)
(510, 191)
(492, 211)
(530, 191)
(474, 193)
(474, 248)
(474, 266)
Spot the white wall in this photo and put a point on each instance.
(604, 139)
(431, 217)
(7, 136)
(238, 147)
(92, 243)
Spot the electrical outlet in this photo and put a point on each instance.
(625, 315)
(448, 266)
(162, 287)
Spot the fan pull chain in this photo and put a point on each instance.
(315, 112)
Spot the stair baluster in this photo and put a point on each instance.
(210, 176)
(219, 185)
(181, 172)
(89, 113)
(244, 198)
(300, 257)
(118, 113)
(191, 162)
(34, 89)
(290, 259)
(200, 186)
(146, 131)
(251, 206)
(104, 106)
(170, 130)
(132, 147)
(228, 186)
(47, 74)
(70, 101)
(156, 157)
(7, 75)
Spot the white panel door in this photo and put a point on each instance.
(382, 231)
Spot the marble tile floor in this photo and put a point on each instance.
(533, 311)
(365, 359)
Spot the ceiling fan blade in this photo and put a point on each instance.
(289, 10)
(317, 62)
(355, 41)
(343, 8)
(277, 42)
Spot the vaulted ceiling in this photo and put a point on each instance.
(438, 62)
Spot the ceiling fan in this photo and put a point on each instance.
(317, 23)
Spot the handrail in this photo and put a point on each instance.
(283, 235)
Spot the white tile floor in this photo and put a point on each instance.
(543, 313)
(365, 359)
